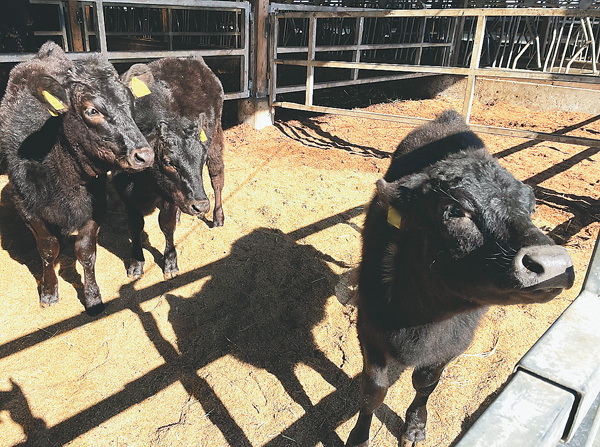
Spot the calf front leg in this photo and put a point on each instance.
(135, 269)
(216, 170)
(373, 388)
(48, 247)
(424, 380)
(85, 250)
(167, 219)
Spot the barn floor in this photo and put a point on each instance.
(248, 346)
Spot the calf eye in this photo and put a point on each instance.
(454, 212)
(92, 112)
(168, 164)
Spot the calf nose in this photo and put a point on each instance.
(141, 158)
(198, 207)
(541, 267)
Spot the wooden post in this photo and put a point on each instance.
(255, 110)
(310, 70)
(475, 57)
(76, 36)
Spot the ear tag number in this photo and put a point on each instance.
(138, 87)
(203, 137)
(53, 100)
(394, 218)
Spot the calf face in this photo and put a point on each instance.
(447, 233)
(98, 115)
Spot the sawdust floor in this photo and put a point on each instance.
(249, 345)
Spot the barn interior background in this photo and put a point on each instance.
(297, 55)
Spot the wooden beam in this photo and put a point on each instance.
(76, 36)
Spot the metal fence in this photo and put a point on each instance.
(550, 44)
(137, 30)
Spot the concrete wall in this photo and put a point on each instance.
(535, 95)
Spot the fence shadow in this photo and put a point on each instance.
(321, 139)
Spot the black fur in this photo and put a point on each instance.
(423, 287)
(57, 165)
(183, 110)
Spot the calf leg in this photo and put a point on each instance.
(216, 170)
(135, 269)
(85, 250)
(373, 388)
(48, 247)
(167, 219)
(424, 381)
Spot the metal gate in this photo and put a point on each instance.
(547, 44)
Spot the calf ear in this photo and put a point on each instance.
(400, 191)
(49, 92)
(139, 79)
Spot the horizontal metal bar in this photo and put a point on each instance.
(517, 133)
(178, 4)
(504, 73)
(538, 407)
(172, 33)
(128, 55)
(237, 95)
(375, 66)
(273, 7)
(333, 84)
(380, 46)
(450, 12)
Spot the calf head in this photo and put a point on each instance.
(180, 143)
(469, 222)
(97, 113)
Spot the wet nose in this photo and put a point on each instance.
(141, 158)
(198, 207)
(541, 267)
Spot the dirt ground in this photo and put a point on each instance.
(248, 346)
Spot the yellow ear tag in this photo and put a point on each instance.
(53, 100)
(203, 136)
(52, 112)
(394, 218)
(138, 87)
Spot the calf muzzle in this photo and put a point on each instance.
(543, 267)
(141, 158)
(197, 207)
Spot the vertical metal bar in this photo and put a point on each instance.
(101, 31)
(421, 41)
(360, 24)
(310, 70)
(475, 57)
(63, 27)
(245, 65)
(273, 71)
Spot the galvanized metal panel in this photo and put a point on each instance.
(540, 409)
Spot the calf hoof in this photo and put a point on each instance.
(171, 271)
(93, 300)
(218, 219)
(48, 299)
(412, 436)
(135, 269)
(357, 439)
(171, 275)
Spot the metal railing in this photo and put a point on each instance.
(499, 43)
(135, 30)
